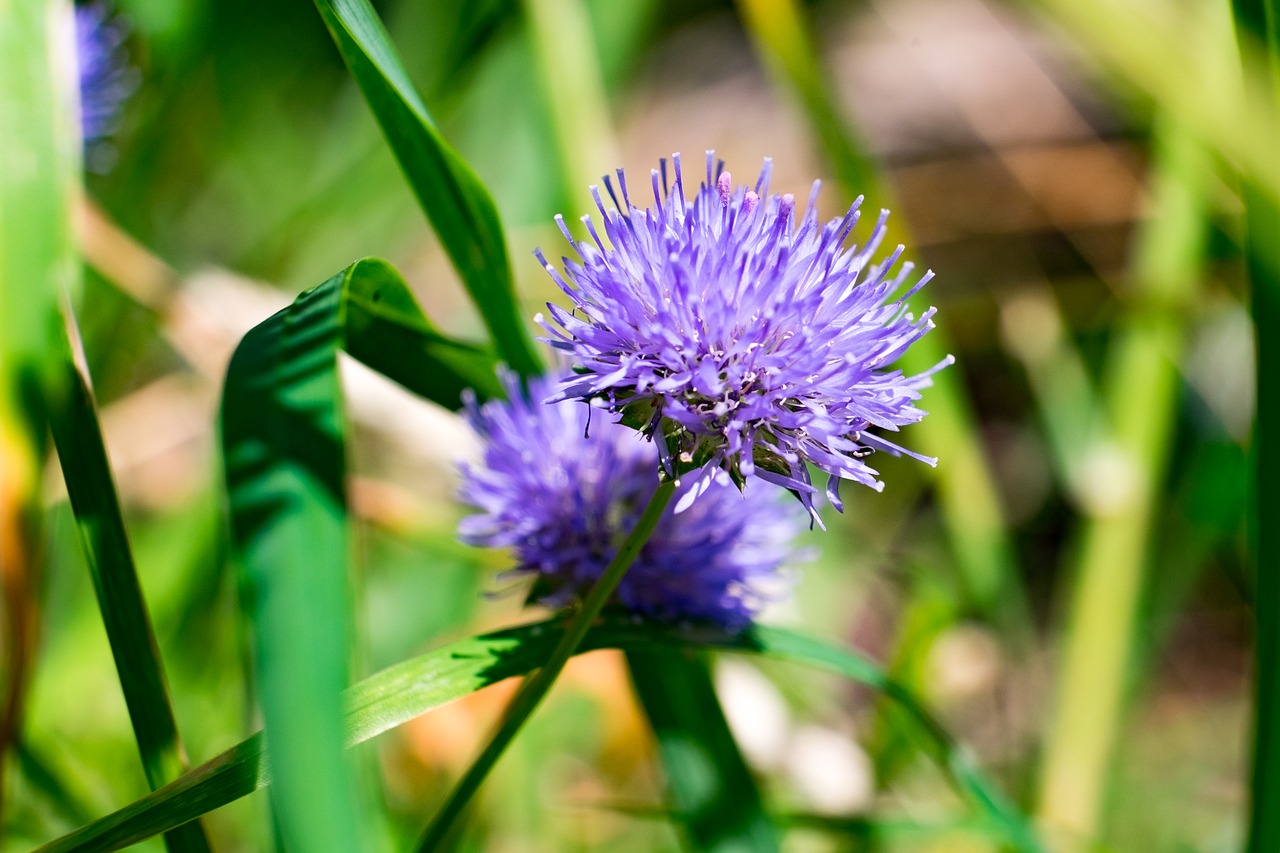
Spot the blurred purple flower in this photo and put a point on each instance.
(564, 492)
(106, 80)
(742, 337)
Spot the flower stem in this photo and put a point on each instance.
(537, 686)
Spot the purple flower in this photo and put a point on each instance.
(105, 79)
(740, 335)
(563, 489)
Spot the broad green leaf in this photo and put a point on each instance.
(709, 787)
(283, 439)
(406, 690)
(39, 168)
(91, 489)
(461, 210)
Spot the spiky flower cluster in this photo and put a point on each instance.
(740, 335)
(105, 78)
(563, 491)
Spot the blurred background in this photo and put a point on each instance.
(1068, 591)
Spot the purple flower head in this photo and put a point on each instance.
(742, 335)
(563, 489)
(105, 78)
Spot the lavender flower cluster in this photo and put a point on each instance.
(745, 342)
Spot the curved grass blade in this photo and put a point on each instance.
(82, 453)
(283, 440)
(709, 786)
(413, 687)
(460, 208)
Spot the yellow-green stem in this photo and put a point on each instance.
(1131, 451)
(535, 688)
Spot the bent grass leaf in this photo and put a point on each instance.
(460, 208)
(82, 453)
(709, 786)
(413, 687)
(284, 446)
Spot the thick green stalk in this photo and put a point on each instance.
(1264, 273)
(1260, 20)
(1140, 400)
(534, 689)
(966, 490)
(39, 169)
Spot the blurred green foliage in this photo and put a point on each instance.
(249, 164)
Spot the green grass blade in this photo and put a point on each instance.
(460, 208)
(39, 169)
(413, 687)
(573, 89)
(91, 489)
(44, 779)
(710, 789)
(386, 329)
(283, 439)
(1260, 20)
(1264, 273)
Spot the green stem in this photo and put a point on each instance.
(1264, 272)
(1120, 498)
(537, 686)
(573, 86)
(1259, 20)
